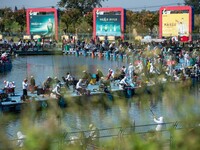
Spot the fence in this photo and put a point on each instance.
(85, 139)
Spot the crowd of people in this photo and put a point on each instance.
(172, 58)
(26, 44)
(175, 60)
(166, 61)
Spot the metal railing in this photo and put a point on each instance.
(83, 138)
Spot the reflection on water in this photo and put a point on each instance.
(134, 110)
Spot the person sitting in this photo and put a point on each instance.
(68, 80)
(56, 92)
(32, 84)
(122, 73)
(12, 88)
(123, 83)
(104, 84)
(6, 83)
(9, 87)
(81, 88)
(110, 75)
(99, 75)
(47, 85)
(86, 77)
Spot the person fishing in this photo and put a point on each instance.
(81, 87)
(123, 83)
(159, 121)
(32, 84)
(68, 80)
(25, 89)
(56, 92)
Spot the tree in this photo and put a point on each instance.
(151, 20)
(83, 5)
(195, 4)
(70, 17)
(20, 18)
(89, 18)
(7, 19)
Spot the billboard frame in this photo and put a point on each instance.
(39, 10)
(115, 9)
(174, 8)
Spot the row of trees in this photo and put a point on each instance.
(75, 16)
(74, 20)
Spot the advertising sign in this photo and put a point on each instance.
(108, 24)
(175, 25)
(176, 21)
(42, 24)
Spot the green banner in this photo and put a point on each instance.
(42, 24)
(108, 25)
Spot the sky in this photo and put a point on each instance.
(127, 4)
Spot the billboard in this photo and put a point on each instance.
(175, 25)
(42, 25)
(175, 21)
(108, 22)
(42, 21)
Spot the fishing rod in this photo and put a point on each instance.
(152, 113)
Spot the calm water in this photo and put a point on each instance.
(42, 66)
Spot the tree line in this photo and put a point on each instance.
(75, 16)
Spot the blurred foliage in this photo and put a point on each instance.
(194, 4)
(51, 131)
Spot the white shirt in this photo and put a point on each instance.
(7, 84)
(24, 85)
(122, 83)
(79, 84)
(160, 123)
(57, 89)
(69, 77)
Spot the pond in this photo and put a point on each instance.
(136, 109)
